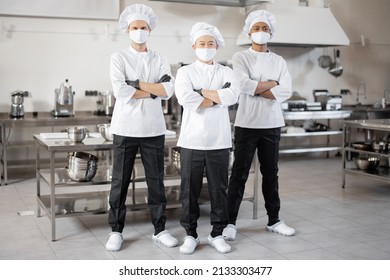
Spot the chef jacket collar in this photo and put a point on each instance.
(142, 54)
(256, 52)
(209, 67)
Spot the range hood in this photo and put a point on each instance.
(302, 26)
(232, 3)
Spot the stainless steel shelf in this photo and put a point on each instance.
(316, 133)
(315, 115)
(349, 127)
(310, 149)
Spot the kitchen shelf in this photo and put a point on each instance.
(313, 115)
(349, 129)
(314, 133)
(42, 120)
(308, 149)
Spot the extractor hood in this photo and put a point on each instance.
(232, 3)
(302, 26)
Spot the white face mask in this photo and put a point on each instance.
(139, 36)
(261, 37)
(205, 54)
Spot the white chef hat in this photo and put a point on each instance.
(137, 12)
(200, 29)
(260, 16)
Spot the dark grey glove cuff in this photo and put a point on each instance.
(199, 91)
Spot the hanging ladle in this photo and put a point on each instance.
(336, 69)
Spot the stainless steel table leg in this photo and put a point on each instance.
(52, 197)
(38, 178)
(4, 150)
(256, 186)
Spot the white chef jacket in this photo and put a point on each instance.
(208, 128)
(251, 67)
(138, 117)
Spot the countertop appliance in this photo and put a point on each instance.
(334, 102)
(17, 108)
(105, 102)
(63, 100)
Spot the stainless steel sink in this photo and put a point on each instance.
(364, 112)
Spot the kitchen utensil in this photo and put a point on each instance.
(361, 146)
(17, 107)
(63, 100)
(321, 95)
(367, 163)
(82, 167)
(324, 61)
(77, 133)
(176, 158)
(105, 102)
(336, 69)
(104, 130)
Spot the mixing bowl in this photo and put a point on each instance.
(104, 129)
(77, 133)
(367, 163)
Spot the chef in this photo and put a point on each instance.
(140, 78)
(205, 89)
(265, 82)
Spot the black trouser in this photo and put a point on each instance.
(152, 155)
(246, 141)
(193, 163)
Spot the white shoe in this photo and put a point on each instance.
(189, 245)
(219, 244)
(166, 239)
(114, 242)
(281, 228)
(229, 232)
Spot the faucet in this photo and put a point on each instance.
(361, 90)
(386, 94)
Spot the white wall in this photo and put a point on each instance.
(37, 54)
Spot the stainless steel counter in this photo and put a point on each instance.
(43, 119)
(316, 115)
(379, 124)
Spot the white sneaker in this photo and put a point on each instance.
(219, 244)
(114, 242)
(229, 232)
(189, 245)
(281, 228)
(166, 239)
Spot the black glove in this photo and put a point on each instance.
(199, 91)
(134, 84)
(164, 79)
(226, 85)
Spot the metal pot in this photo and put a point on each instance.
(82, 167)
(104, 129)
(367, 163)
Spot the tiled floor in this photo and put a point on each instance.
(332, 223)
